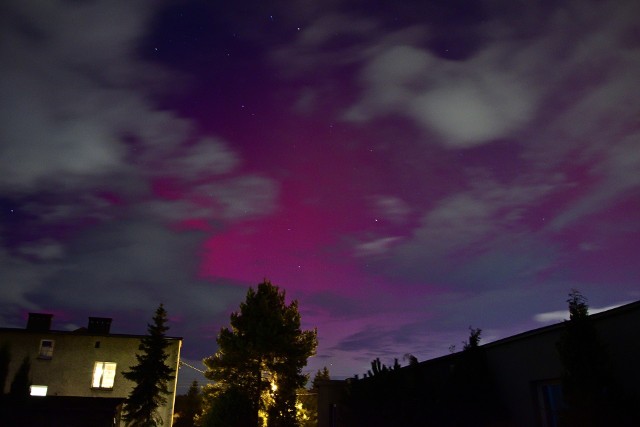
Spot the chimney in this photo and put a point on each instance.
(39, 322)
(99, 325)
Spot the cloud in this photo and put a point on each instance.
(474, 109)
(473, 238)
(331, 40)
(208, 157)
(391, 208)
(124, 270)
(244, 197)
(82, 148)
(66, 97)
(375, 247)
(44, 250)
(20, 277)
(561, 315)
(466, 103)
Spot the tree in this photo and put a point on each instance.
(151, 375)
(188, 406)
(258, 366)
(474, 339)
(321, 375)
(586, 377)
(21, 381)
(379, 368)
(308, 400)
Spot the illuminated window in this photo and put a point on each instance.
(104, 374)
(46, 349)
(38, 390)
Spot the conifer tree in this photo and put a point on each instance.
(321, 375)
(258, 365)
(151, 375)
(188, 406)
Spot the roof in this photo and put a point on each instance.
(79, 332)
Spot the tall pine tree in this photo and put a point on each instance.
(151, 375)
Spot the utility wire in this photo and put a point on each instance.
(192, 367)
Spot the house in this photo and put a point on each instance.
(515, 381)
(75, 376)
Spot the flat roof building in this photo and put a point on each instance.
(71, 372)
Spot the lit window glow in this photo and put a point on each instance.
(38, 390)
(104, 374)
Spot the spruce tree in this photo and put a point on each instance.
(151, 375)
(188, 406)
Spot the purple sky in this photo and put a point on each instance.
(404, 170)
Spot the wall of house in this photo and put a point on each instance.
(69, 371)
(518, 367)
(520, 364)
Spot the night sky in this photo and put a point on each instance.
(404, 170)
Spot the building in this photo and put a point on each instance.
(75, 376)
(515, 381)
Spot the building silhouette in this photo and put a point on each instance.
(515, 381)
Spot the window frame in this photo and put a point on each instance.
(46, 352)
(98, 379)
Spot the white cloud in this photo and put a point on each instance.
(560, 315)
(70, 92)
(466, 103)
(375, 247)
(391, 208)
(474, 110)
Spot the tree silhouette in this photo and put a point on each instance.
(308, 400)
(151, 375)
(474, 339)
(321, 375)
(188, 406)
(21, 381)
(258, 366)
(586, 375)
(379, 368)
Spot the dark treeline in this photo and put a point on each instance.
(457, 391)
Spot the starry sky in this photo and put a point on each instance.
(405, 170)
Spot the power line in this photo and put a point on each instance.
(192, 367)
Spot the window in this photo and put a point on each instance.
(38, 390)
(549, 399)
(104, 374)
(46, 349)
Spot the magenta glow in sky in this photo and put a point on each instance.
(403, 171)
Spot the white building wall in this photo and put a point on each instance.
(69, 372)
